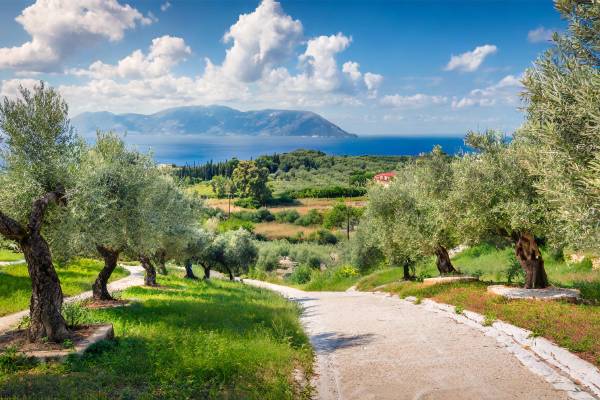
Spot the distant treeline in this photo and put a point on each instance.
(284, 162)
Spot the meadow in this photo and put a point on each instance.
(185, 339)
(75, 277)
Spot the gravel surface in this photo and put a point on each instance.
(374, 346)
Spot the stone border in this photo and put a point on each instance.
(449, 279)
(558, 366)
(102, 332)
(547, 294)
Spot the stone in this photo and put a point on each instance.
(449, 279)
(547, 294)
(101, 332)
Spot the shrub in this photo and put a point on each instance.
(313, 217)
(247, 202)
(323, 236)
(347, 271)
(260, 215)
(269, 254)
(233, 224)
(287, 216)
(75, 314)
(301, 274)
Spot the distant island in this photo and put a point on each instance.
(212, 120)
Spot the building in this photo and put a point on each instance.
(384, 178)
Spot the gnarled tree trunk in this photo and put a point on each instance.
(189, 272)
(406, 272)
(46, 320)
(160, 262)
(150, 275)
(230, 272)
(99, 289)
(206, 272)
(530, 258)
(443, 263)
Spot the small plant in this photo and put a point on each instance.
(418, 300)
(68, 344)
(459, 310)
(535, 333)
(488, 320)
(11, 361)
(301, 274)
(347, 271)
(24, 322)
(75, 314)
(514, 271)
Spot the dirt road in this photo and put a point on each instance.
(373, 346)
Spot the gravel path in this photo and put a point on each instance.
(374, 346)
(135, 278)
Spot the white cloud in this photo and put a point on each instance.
(164, 53)
(352, 69)
(539, 35)
(10, 87)
(260, 39)
(505, 92)
(418, 100)
(470, 60)
(58, 28)
(165, 6)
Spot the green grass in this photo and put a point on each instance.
(380, 278)
(75, 277)
(9, 255)
(188, 339)
(203, 189)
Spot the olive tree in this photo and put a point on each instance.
(238, 251)
(412, 217)
(106, 203)
(39, 154)
(493, 196)
(561, 134)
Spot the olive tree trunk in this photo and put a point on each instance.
(150, 275)
(99, 288)
(530, 258)
(406, 272)
(46, 321)
(206, 272)
(189, 272)
(160, 262)
(443, 263)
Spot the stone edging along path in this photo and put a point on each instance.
(135, 278)
(555, 364)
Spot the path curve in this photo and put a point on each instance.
(375, 346)
(135, 278)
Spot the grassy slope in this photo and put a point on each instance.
(8, 255)
(188, 339)
(76, 277)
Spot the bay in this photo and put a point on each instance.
(189, 149)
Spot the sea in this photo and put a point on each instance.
(195, 149)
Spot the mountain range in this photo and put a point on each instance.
(211, 120)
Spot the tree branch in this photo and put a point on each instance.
(36, 218)
(10, 228)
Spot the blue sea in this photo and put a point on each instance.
(188, 149)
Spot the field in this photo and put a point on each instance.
(303, 206)
(276, 230)
(188, 339)
(75, 277)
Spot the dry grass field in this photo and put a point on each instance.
(303, 206)
(276, 230)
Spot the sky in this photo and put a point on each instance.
(372, 67)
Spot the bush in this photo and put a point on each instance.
(247, 202)
(75, 314)
(327, 192)
(313, 217)
(347, 271)
(270, 253)
(323, 236)
(287, 216)
(301, 274)
(260, 215)
(233, 224)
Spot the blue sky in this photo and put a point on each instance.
(372, 67)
